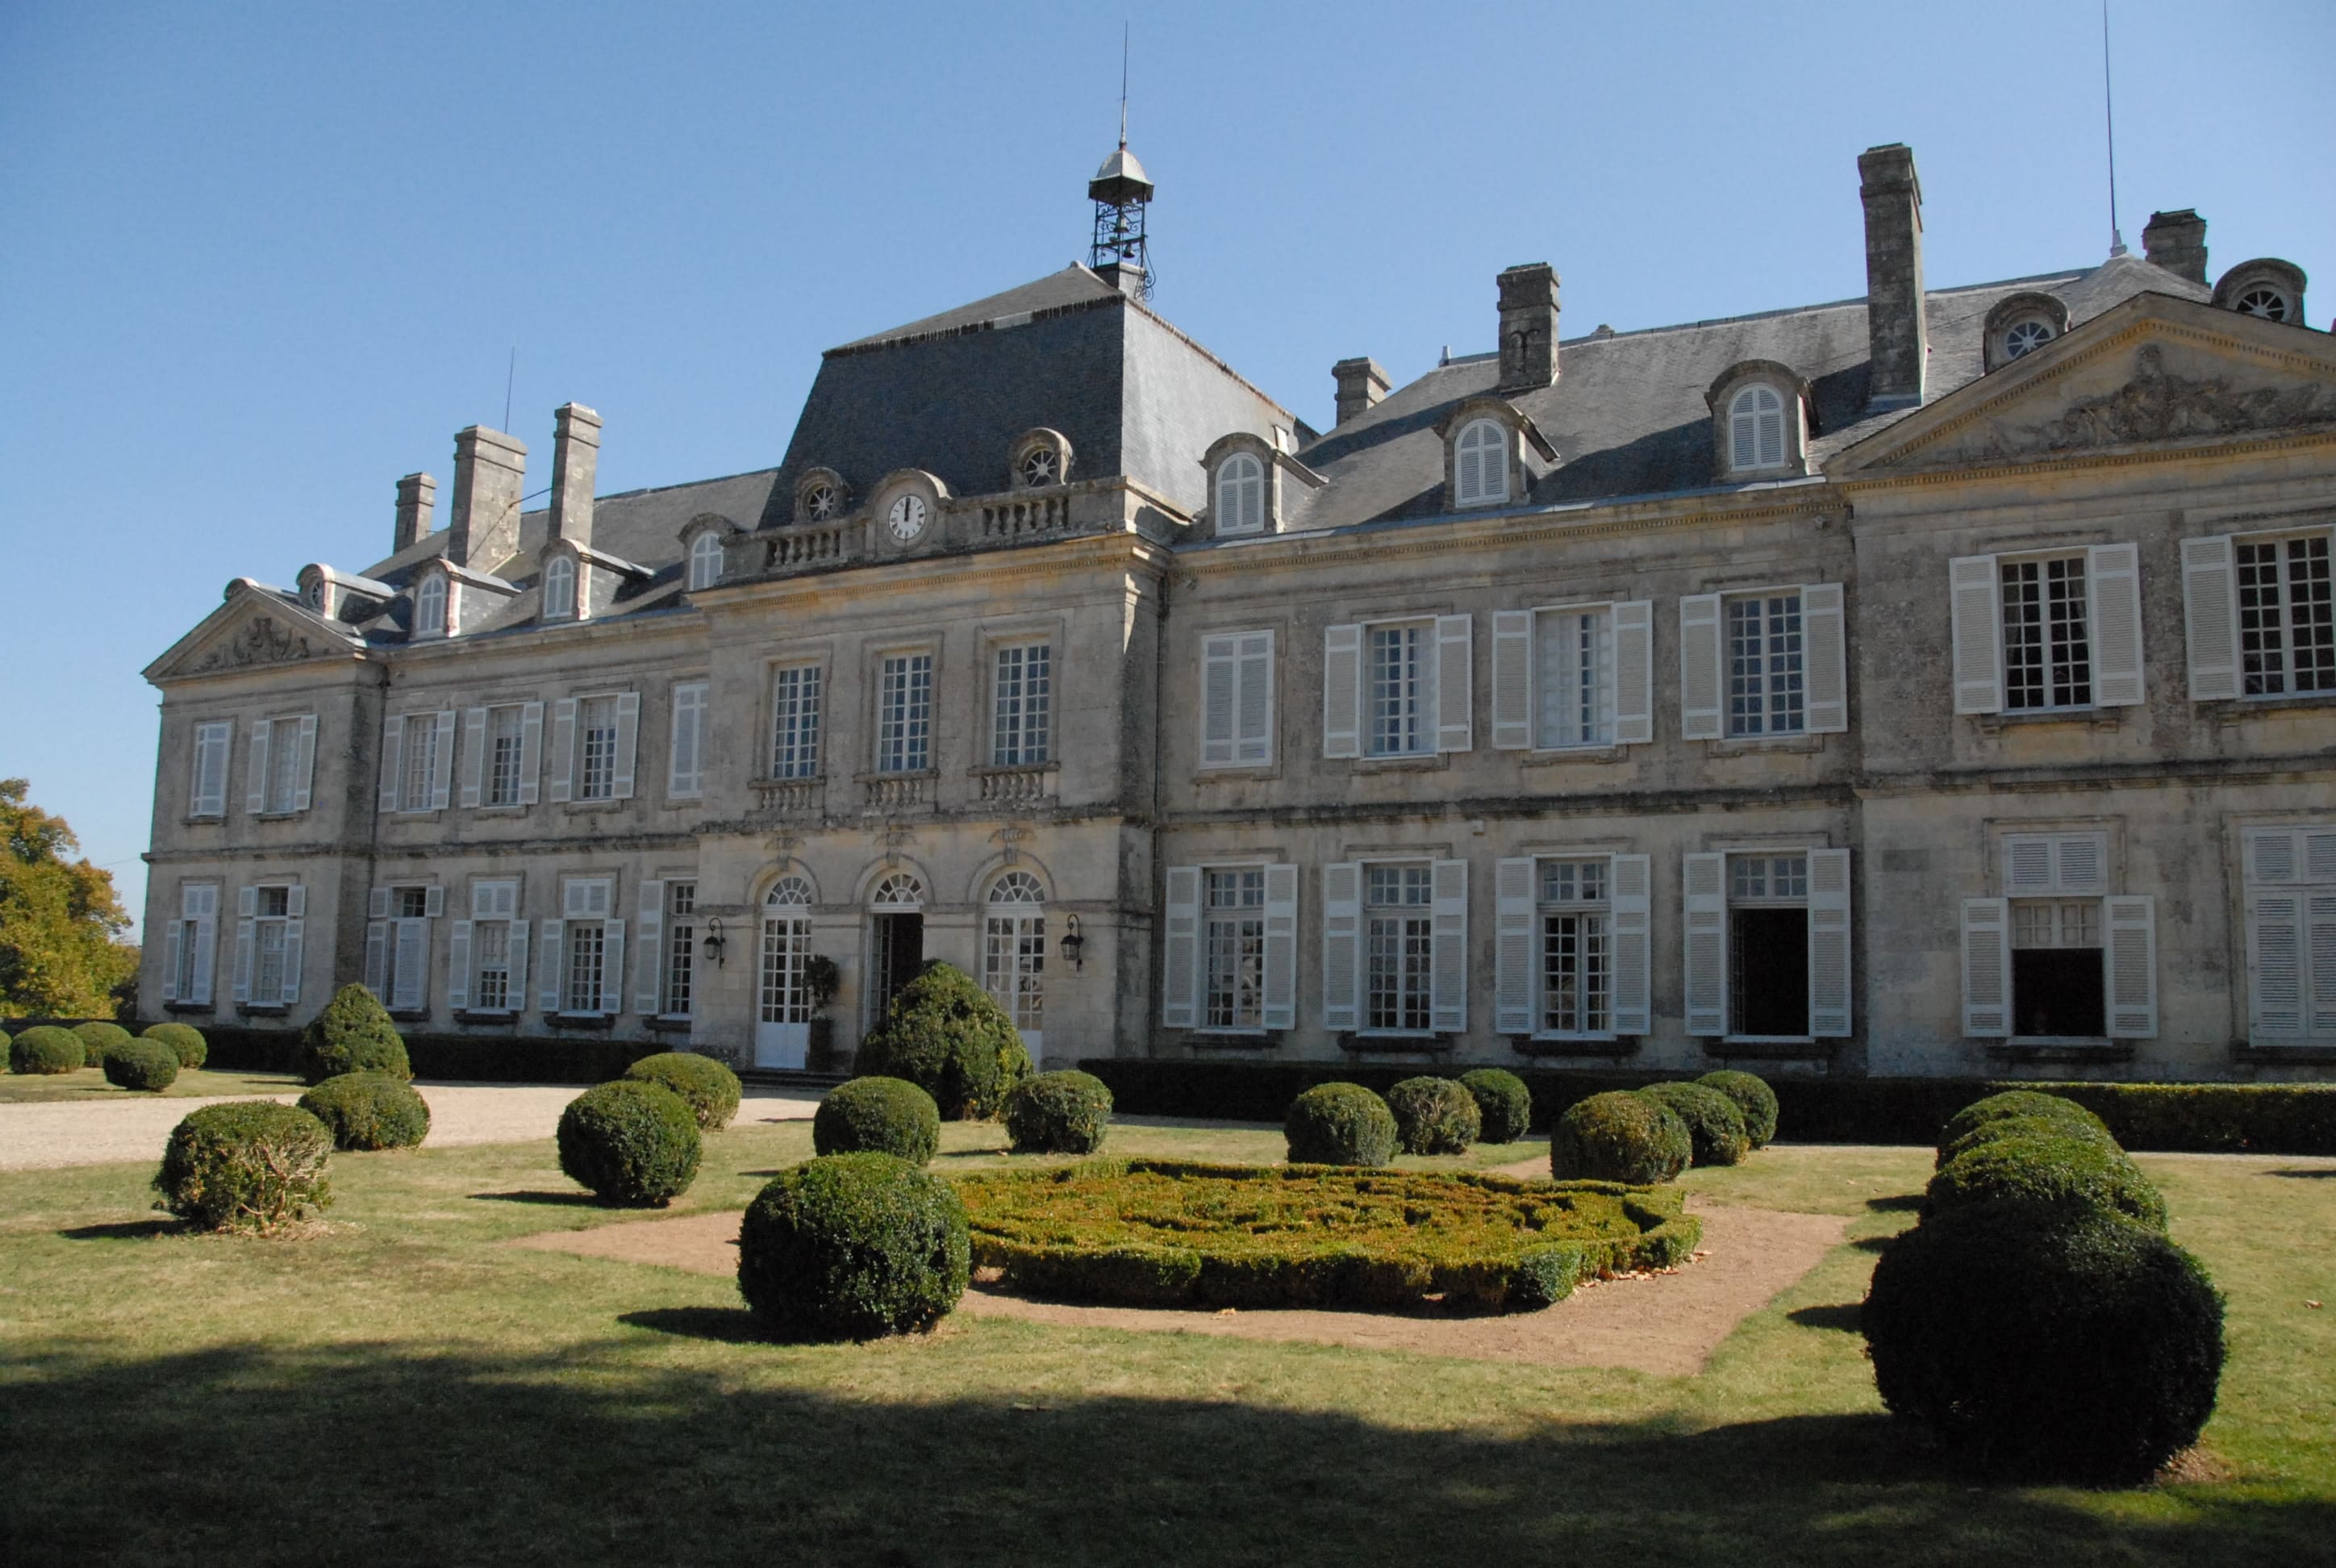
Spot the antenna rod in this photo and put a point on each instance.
(2109, 105)
(1124, 30)
(509, 376)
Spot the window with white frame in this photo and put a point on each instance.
(2056, 632)
(904, 713)
(1014, 949)
(1237, 699)
(417, 762)
(398, 945)
(1233, 927)
(677, 988)
(1395, 945)
(596, 736)
(1765, 663)
(785, 994)
(584, 949)
(430, 600)
(2046, 649)
(1241, 496)
(280, 763)
(1576, 965)
(594, 742)
(1755, 429)
(1399, 936)
(1230, 955)
(1573, 675)
(2259, 614)
(418, 774)
(685, 770)
(268, 944)
(705, 561)
(1402, 716)
(2290, 876)
(1766, 689)
(207, 785)
(1767, 943)
(506, 759)
(1397, 687)
(794, 721)
(560, 587)
(1021, 698)
(2059, 956)
(1480, 463)
(487, 971)
(1571, 946)
(190, 947)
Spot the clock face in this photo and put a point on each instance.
(907, 518)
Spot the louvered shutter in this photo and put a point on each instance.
(458, 967)
(646, 993)
(1456, 722)
(629, 735)
(1630, 879)
(474, 757)
(1281, 1002)
(209, 795)
(2276, 967)
(1975, 613)
(2210, 618)
(553, 955)
(170, 950)
(411, 962)
(1220, 676)
(2320, 960)
(563, 749)
(2113, 584)
(515, 989)
(1829, 957)
(2272, 856)
(1447, 959)
(1513, 660)
(1700, 655)
(377, 904)
(247, 905)
(1253, 713)
(1342, 691)
(612, 966)
(687, 777)
(255, 769)
(1634, 672)
(1772, 429)
(2028, 865)
(205, 948)
(1987, 968)
(304, 773)
(441, 771)
(393, 759)
(296, 941)
(531, 751)
(1705, 878)
(434, 900)
(1512, 945)
(2080, 863)
(1827, 659)
(2132, 933)
(376, 959)
(1180, 950)
(1342, 945)
(1743, 435)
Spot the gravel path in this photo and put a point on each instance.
(103, 1132)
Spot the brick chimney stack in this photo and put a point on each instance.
(1361, 382)
(575, 460)
(2177, 242)
(490, 477)
(1898, 339)
(417, 497)
(1528, 327)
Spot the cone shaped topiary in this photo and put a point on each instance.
(1753, 1096)
(185, 1041)
(712, 1089)
(1618, 1136)
(1504, 1104)
(1340, 1124)
(877, 1116)
(352, 1034)
(1715, 1127)
(946, 1035)
(853, 1246)
(1434, 1116)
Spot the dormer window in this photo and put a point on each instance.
(2266, 287)
(1241, 496)
(1759, 421)
(2264, 301)
(2026, 337)
(705, 561)
(1041, 458)
(560, 587)
(1480, 465)
(1755, 429)
(2020, 324)
(430, 608)
(820, 496)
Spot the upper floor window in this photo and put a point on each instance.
(2259, 614)
(1021, 705)
(1480, 463)
(904, 713)
(417, 762)
(2266, 286)
(1772, 662)
(1575, 676)
(1766, 684)
(1241, 494)
(505, 747)
(2036, 633)
(430, 604)
(560, 589)
(2020, 324)
(1397, 687)
(705, 561)
(1402, 716)
(686, 775)
(596, 725)
(794, 721)
(594, 742)
(1755, 428)
(2047, 649)
(207, 791)
(281, 763)
(1237, 699)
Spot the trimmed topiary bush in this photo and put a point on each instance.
(853, 1246)
(46, 1049)
(1340, 1124)
(352, 1034)
(1753, 1097)
(950, 1037)
(2048, 1170)
(1434, 1116)
(1062, 1113)
(1618, 1136)
(185, 1040)
(711, 1088)
(634, 1144)
(1504, 1104)
(1715, 1127)
(878, 1116)
(97, 1037)
(369, 1111)
(141, 1065)
(2004, 1127)
(246, 1165)
(2047, 1343)
(2016, 1103)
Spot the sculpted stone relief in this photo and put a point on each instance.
(259, 640)
(2156, 404)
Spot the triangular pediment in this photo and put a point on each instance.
(254, 627)
(2154, 371)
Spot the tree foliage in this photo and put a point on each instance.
(61, 956)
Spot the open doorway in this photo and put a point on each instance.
(896, 939)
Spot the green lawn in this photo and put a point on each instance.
(400, 1388)
(88, 1084)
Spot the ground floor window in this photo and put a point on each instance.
(679, 973)
(1768, 944)
(1233, 934)
(1014, 949)
(1575, 973)
(587, 951)
(2058, 969)
(1398, 946)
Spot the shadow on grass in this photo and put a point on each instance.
(2319, 1175)
(723, 1325)
(1874, 1243)
(1896, 1203)
(554, 1200)
(126, 1231)
(1845, 1316)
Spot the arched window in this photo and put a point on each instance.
(1014, 951)
(1755, 429)
(2263, 300)
(786, 1001)
(560, 589)
(1016, 888)
(429, 607)
(1480, 463)
(898, 890)
(789, 892)
(1241, 494)
(706, 561)
(2026, 337)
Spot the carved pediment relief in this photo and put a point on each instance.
(2158, 403)
(262, 640)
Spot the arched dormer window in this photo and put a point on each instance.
(430, 618)
(1241, 494)
(1480, 465)
(1041, 458)
(1759, 421)
(2267, 287)
(1755, 429)
(560, 587)
(705, 561)
(2020, 324)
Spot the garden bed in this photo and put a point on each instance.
(1171, 1234)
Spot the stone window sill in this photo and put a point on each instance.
(1232, 1039)
(2029, 1048)
(261, 1009)
(899, 776)
(410, 1015)
(668, 1026)
(484, 1016)
(2301, 1053)
(1801, 745)
(1237, 773)
(283, 816)
(581, 1021)
(1394, 1043)
(609, 804)
(1771, 1047)
(2105, 719)
(1560, 756)
(191, 1007)
(1426, 761)
(1613, 1047)
(2237, 710)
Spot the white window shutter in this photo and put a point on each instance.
(376, 959)
(1455, 720)
(441, 771)
(1220, 675)
(209, 795)
(458, 967)
(515, 987)
(1180, 948)
(295, 908)
(2029, 869)
(206, 955)
(2271, 855)
(686, 777)
(531, 751)
(1827, 660)
(1631, 881)
(1829, 929)
(2210, 618)
(474, 757)
(554, 956)
(1633, 674)
(2320, 960)
(628, 736)
(1254, 712)
(2113, 583)
(255, 769)
(1342, 691)
(646, 993)
(1342, 945)
(304, 775)
(247, 905)
(563, 749)
(1512, 661)
(612, 966)
(2080, 863)
(1448, 942)
(2132, 958)
(1700, 655)
(411, 961)
(2276, 1002)
(393, 759)
(1986, 968)
(377, 904)
(171, 948)
(1512, 945)
(1281, 1002)
(1706, 883)
(1975, 613)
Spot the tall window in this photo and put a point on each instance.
(1575, 681)
(2289, 877)
(1403, 704)
(1765, 690)
(418, 773)
(1768, 944)
(284, 769)
(587, 954)
(273, 906)
(1233, 929)
(496, 947)
(595, 724)
(787, 944)
(686, 771)
(408, 951)
(1241, 494)
(1022, 699)
(1755, 429)
(679, 973)
(705, 561)
(429, 607)
(1480, 465)
(207, 794)
(904, 713)
(192, 946)
(794, 721)
(2057, 967)
(2287, 621)
(1398, 934)
(1237, 693)
(1014, 949)
(505, 737)
(560, 589)
(1576, 967)
(2047, 649)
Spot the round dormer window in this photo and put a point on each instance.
(2026, 337)
(2264, 301)
(315, 595)
(1040, 467)
(823, 503)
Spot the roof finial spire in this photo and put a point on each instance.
(2109, 106)
(1121, 191)
(1124, 28)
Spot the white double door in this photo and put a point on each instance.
(783, 1004)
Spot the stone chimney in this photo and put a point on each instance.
(1361, 382)
(1528, 327)
(2177, 242)
(1125, 276)
(575, 459)
(417, 497)
(490, 477)
(1898, 338)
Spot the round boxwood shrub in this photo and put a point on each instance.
(853, 1246)
(1504, 1104)
(1340, 1124)
(951, 1038)
(2017, 1103)
(141, 1065)
(2046, 1342)
(1753, 1097)
(369, 1111)
(352, 1034)
(878, 1116)
(2003, 1127)
(2076, 1171)
(45, 1048)
(246, 1165)
(634, 1144)
(185, 1040)
(97, 1037)
(711, 1088)
(1715, 1127)
(1434, 1116)
(1618, 1136)
(1065, 1112)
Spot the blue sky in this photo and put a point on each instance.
(256, 260)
